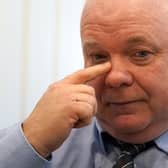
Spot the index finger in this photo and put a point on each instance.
(87, 74)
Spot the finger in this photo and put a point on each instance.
(82, 88)
(87, 74)
(81, 97)
(84, 110)
(86, 107)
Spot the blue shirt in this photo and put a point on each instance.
(82, 149)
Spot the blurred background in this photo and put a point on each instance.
(39, 44)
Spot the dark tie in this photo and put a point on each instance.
(128, 151)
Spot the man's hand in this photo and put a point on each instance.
(67, 104)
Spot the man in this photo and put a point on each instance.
(124, 85)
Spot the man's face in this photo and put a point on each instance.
(133, 37)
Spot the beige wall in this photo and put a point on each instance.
(37, 37)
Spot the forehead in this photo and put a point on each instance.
(109, 19)
(108, 11)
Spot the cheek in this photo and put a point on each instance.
(155, 85)
(159, 100)
(156, 80)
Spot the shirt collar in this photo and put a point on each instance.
(161, 141)
(99, 131)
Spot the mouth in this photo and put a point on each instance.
(120, 103)
(123, 108)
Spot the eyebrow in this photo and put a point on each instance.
(137, 40)
(90, 44)
(131, 41)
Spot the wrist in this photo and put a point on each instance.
(35, 141)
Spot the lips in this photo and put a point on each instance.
(124, 108)
(125, 102)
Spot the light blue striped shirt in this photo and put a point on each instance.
(82, 149)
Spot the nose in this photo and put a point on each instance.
(119, 76)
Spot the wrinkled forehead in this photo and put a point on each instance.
(109, 10)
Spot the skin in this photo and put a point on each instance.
(66, 104)
(132, 97)
(125, 48)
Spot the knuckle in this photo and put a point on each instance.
(53, 86)
(81, 74)
(90, 90)
(88, 110)
(80, 111)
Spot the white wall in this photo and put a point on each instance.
(39, 43)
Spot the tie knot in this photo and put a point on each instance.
(132, 149)
(128, 151)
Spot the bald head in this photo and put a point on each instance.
(132, 36)
(118, 13)
(94, 9)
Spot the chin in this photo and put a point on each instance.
(126, 128)
(128, 124)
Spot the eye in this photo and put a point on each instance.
(143, 54)
(98, 57)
